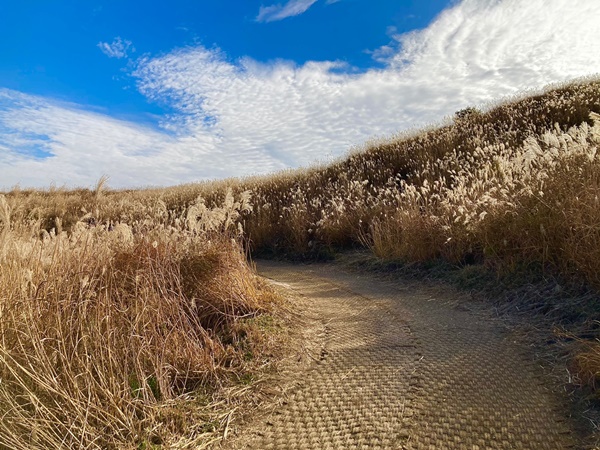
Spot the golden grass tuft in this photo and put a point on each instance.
(586, 366)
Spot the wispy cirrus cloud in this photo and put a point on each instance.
(279, 12)
(244, 117)
(119, 48)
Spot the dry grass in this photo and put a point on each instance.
(157, 299)
(434, 179)
(108, 334)
(586, 366)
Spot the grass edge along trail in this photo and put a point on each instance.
(128, 336)
(514, 186)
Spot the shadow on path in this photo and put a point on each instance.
(403, 368)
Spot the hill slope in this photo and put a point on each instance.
(513, 187)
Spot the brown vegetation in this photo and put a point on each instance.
(158, 297)
(109, 334)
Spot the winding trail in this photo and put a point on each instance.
(407, 367)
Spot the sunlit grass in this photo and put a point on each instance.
(140, 289)
(109, 332)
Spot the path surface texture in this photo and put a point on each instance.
(407, 367)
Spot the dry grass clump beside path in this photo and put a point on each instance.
(116, 336)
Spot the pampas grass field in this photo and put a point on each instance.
(113, 335)
(118, 307)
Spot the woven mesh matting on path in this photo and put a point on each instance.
(404, 368)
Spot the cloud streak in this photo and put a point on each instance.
(279, 12)
(244, 117)
(119, 48)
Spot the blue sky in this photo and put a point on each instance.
(51, 48)
(161, 93)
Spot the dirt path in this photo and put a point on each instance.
(406, 367)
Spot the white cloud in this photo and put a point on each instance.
(245, 117)
(80, 146)
(119, 48)
(279, 12)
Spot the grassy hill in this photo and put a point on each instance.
(515, 186)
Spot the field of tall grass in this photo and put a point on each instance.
(116, 303)
(116, 335)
